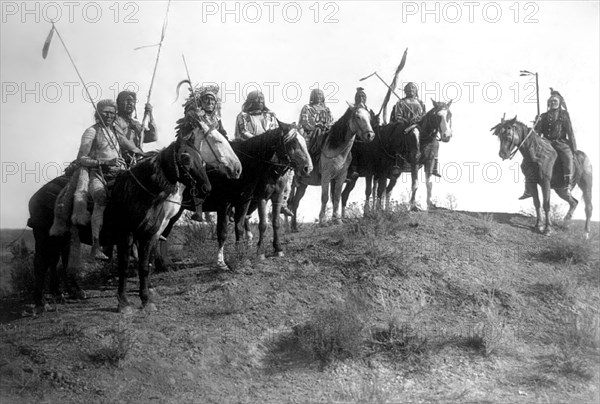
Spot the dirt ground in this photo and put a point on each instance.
(443, 306)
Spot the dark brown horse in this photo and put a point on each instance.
(435, 126)
(384, 157)
(142, 198)
(265, 158)
(541, 167)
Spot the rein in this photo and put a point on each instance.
(512, 154)
(187, 174)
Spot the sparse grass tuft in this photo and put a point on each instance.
(22, 276)
(334, 333)
(487, 224)
(365, 390)
(114, 348)
(577, 347)
(564, 248)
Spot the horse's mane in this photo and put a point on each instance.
(257, 147)
(337, 133)
(149, 172)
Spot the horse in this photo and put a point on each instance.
(265, 158)
(383, 158)
(437, 121)
(541, 166)
(334, 161)
(214, 149)
(144, 199)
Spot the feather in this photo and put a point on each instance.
(47, 43)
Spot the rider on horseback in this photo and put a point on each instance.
(555, 125)
(315, 119)
(256, 119)
(100, 153)
(128, 126)
(360, 100)
(409, 111)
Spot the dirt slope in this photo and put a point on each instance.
(443, 306)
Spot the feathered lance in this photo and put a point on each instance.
(146, 118)
(392, 86)
(45, 50)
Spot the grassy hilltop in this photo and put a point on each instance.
(442, 306)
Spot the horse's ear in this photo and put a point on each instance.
(496, 127)
(435, 104)
(502, 119)
(349, 105)
(449, 103)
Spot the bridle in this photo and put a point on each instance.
(353, 131)
(434, 131)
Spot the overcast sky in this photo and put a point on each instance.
(471, 52)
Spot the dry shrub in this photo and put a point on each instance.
(336, 332)
(564, 248)
(578, 346)
(115, 346)
(21, 262)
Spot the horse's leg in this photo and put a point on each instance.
(262, 227)
(299, 191)
(42, 250)
(336, 193)
(566, 195)
(381, 185)
(145, 247)
(429, 187)
(533, 190)
(222, 221)
(388, 192)
(325, 180)
(346, 194)
(585, 184)
(375, 193)
(546, 205)
(368, 193)
(124, 243)
(414, 176)
(276, 202)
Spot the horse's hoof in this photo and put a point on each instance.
(150, 308)
(279, 254)
(586, 235)
(261, 257)
(432, 207)
(153, 294)
(126, 310)
(547, 231)
(222, 266)
(414, 209)
(337, 220)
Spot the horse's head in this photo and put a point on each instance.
(294, 150)
(360, 124)
(190, 168)
(509, 133)
(216, 151)
(439, 120)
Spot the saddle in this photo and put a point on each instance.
(73, 204)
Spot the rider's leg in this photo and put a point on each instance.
(98, 192)
(566, 158)
(436, 165)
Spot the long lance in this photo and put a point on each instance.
(392, 85)
(537, 88)
(45, 50)
(146, 119)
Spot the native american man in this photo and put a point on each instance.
(315, 119)
(127, 126)
(555, 125)
(410, 110)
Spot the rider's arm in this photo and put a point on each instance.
(570, 134)
(307, 122)
(126, 144)
(85, 148)
(241, 128)
(151, 134)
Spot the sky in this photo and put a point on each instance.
(470, 52)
